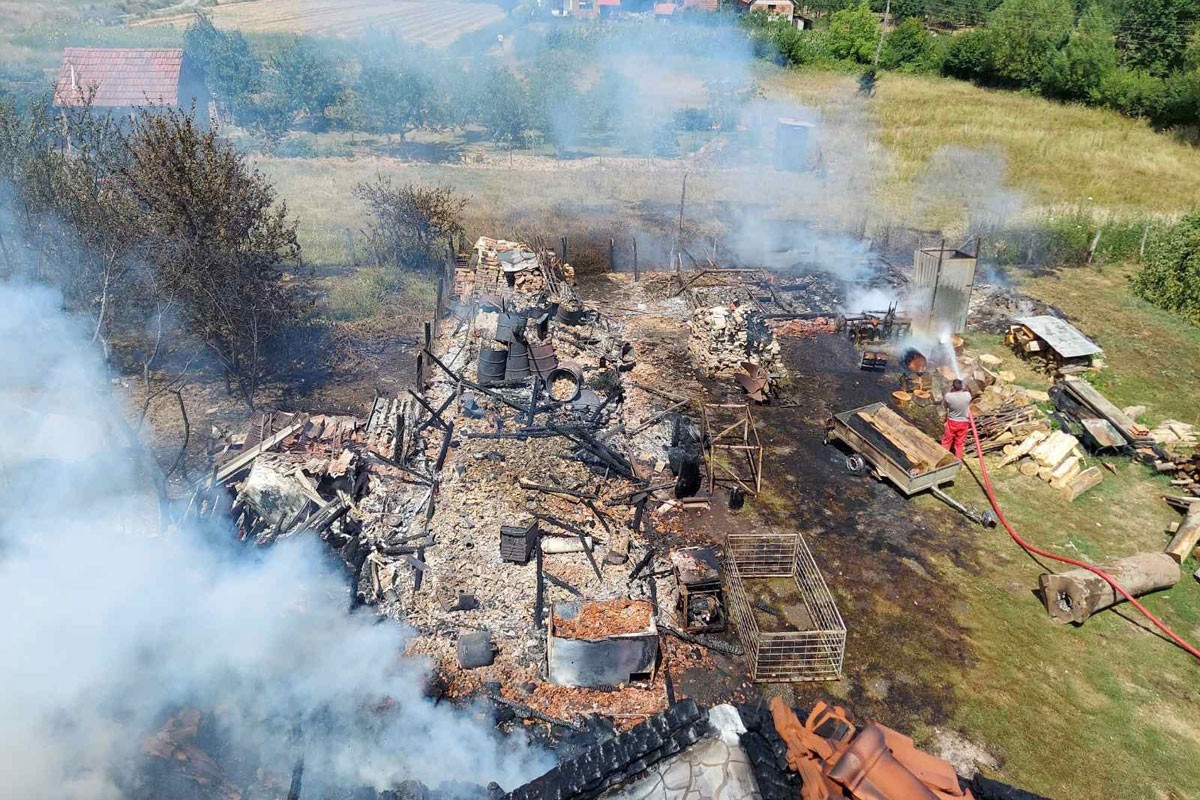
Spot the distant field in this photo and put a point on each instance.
(434, 23)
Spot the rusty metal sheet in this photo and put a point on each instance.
(1103, 432)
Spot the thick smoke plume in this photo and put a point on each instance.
(111, 625)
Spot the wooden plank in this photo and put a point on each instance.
(1186, 538)
(244, 461)
(1091, 397)
(921, 450)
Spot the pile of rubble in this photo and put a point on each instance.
(992, 308)
(724, 338)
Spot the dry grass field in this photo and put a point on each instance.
(434, 23)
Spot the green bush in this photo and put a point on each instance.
(1136, 94)
(1170, 278)
(907, 46)
(970, 56)
(854, 33)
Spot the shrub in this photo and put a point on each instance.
(970, 56)
(906, 46)
(1137, 94)
(854, 33)
(1170, 278)
(360, 297)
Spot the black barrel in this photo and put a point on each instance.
(492, 366)
(517, 368)
(570, 316)
(508, 326)
(542, 358)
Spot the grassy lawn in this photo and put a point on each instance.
(1063, 155)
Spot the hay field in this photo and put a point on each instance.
(434, 23)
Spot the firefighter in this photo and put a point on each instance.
(957, 404)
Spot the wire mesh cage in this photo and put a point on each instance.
(815, 653)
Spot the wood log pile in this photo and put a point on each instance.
(1057, 459)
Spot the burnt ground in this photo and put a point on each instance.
(880, 554)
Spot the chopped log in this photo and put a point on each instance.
(558, 545)
(1076, 594)
(1092, 476)
(1173, 528)
(1028, 467)
(1023, 449)
(1179, 503)
(1057, 447)
(1186, 538)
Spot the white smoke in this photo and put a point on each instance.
(110, 624)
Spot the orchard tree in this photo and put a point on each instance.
(232, 71)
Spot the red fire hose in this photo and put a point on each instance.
(1118, 588)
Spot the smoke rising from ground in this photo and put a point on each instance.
(112, 624)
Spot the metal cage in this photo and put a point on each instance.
(810, 655)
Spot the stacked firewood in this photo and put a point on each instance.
(1056, 458)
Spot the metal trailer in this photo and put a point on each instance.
(867, 456)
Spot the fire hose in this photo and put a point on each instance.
(1027, 547)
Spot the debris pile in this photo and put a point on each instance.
(723, 337)
(992, 308)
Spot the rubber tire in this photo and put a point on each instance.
(856, 464)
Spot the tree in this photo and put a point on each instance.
(232, 71)
(1153, 34)
(1171, 276)
(1026, 35)
(395, 93)
(505, 109)
(301, 81)
(1079, 70)
(908, 45)
(411, 226)
(854, 33)
(215, 241)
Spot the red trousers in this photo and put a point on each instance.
(954, 438)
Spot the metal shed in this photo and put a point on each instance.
(942, 282)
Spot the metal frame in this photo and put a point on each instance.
(812, 655)
(739, 438)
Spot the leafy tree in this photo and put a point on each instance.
(232, 71)
(506, 108)
(907, 45)
(1153, 34)
(1171, 276)
(411, 226)
(854, 33)
(215, 241)
(301, 81)
(394, 96)
(1079, 70)
(971, 55)
(1026, 35)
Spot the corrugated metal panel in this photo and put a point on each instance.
(122, 77)
(943, 290)
(1064, 337)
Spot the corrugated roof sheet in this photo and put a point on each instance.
(1064, 337)
(122, 77)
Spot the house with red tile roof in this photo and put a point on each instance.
(127, 77)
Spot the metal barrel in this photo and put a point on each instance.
(543, 359)
(571, 371)
(517, 368)
(492, 365)
(507, 326)
(570, 316)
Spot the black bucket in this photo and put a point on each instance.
(492, 366)
(570, 316)
(517, 368)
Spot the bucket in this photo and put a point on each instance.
(517, 367)
(492, 366)
(567, 370)
(570, 316)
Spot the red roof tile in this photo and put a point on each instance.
(121, 76)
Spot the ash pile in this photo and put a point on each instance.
(992, 308)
